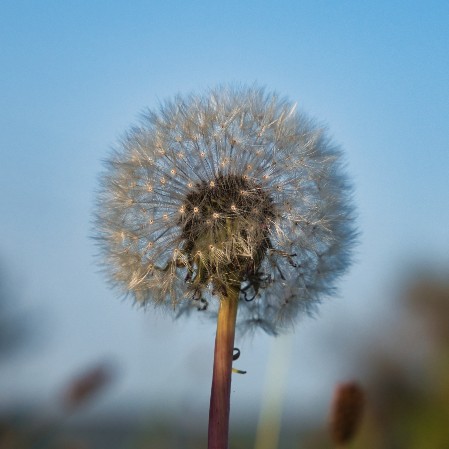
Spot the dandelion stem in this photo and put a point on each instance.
(221, 380)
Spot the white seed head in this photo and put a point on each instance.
(230, 189)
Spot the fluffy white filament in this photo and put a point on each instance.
(288, 231)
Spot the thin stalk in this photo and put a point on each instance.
(221, 379)
(268, 430)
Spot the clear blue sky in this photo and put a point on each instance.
(75, 74)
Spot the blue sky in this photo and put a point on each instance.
(76, 74)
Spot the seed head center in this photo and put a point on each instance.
(229, 219)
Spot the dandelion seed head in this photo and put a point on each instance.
(234, 188)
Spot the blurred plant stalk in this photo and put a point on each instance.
(269, 427)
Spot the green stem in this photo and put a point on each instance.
(221, 380)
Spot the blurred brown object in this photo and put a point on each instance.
(83, 387)
(428, 295)
(8, 437)
(346, 412)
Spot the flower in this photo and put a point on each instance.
(233, 189)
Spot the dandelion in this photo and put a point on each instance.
(231, 190)
(231, 199)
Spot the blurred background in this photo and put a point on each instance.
(81, 368)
